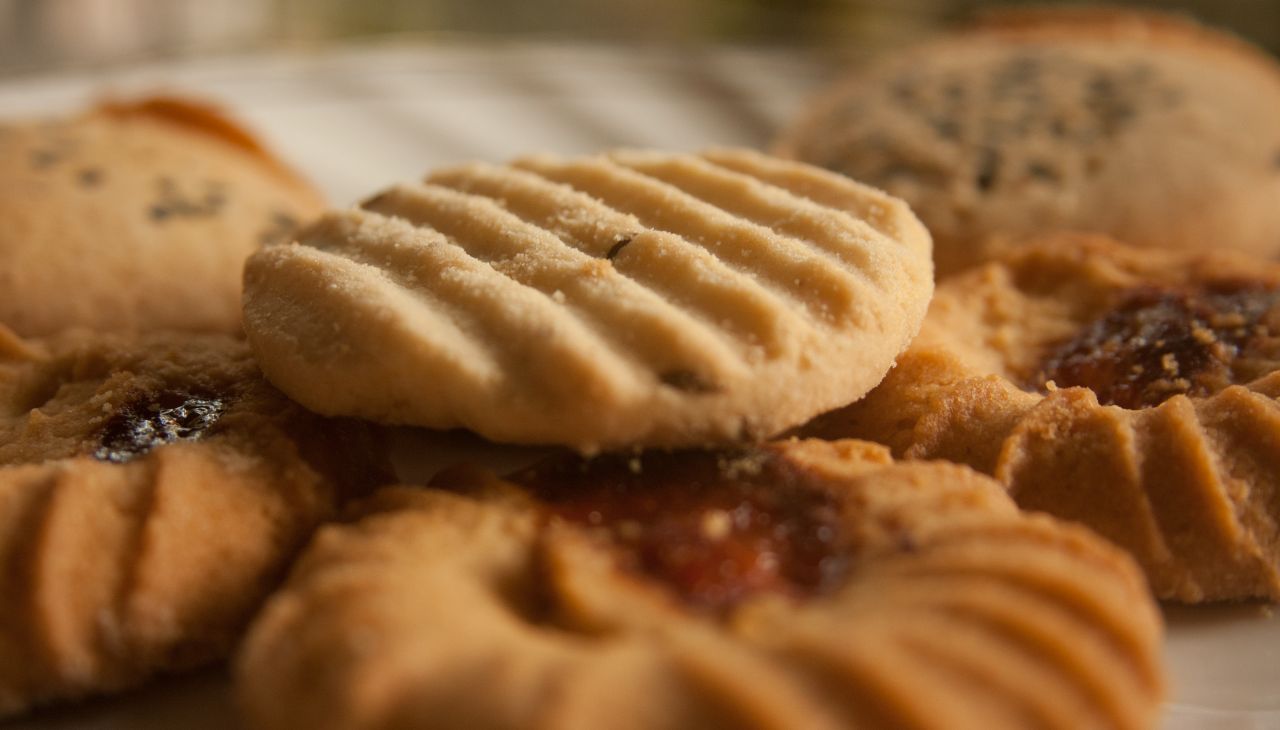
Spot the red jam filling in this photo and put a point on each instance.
(155, 419)
(1161, 343)
(713, 528)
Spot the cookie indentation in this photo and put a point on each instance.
(624, 300)
(156, 419)
(713, 530)
(687, 381)
(1162, 343)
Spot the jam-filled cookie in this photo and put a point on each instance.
(621, 300)
(151, 493)
(795, 585)
(1149, 128)
(136, 216)
(1134, 391)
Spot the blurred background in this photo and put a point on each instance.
(42, 35)
(359, 93)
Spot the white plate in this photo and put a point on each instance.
(358, 119)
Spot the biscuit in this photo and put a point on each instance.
(627, 299)
(136, 216)
(803, 584)
(1145, 127)
(1133, 391)
(151, 493)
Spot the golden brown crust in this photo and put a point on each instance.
(1183, 477)
(1042, 119)
(622, 300)
(477, 608)
(151, 493)
(136, 216)
(207, 118)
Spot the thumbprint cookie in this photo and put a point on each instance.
(151, 493)
(796, 584)
(1132, 390)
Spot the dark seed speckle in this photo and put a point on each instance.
(946, 127)
(90, 177)
(1042, 171)
(44, 159)
(688, 381)
(172, 202)
(988, 168)
(619, 243)
(280, 226)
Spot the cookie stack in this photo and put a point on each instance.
(1130, 389)
(660, 315)
(715, 345)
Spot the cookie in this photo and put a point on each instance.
(1134, 391)
(626, 299)
(151, 493)
(801, 584)
(1146, 127)
(136, 216)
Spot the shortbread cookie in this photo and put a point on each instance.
(1149, 128)
(798, 585)
(136, 216)
(151, 493)
(1133, 391)
(633, 298)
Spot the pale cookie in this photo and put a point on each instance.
(136, 216)
(796, 585)
(151, 493)
(1150, 128)
(632, 298)
(1134, 391)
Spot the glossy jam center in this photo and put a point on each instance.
(1160, 343)
(713, 529)
(155, 419)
